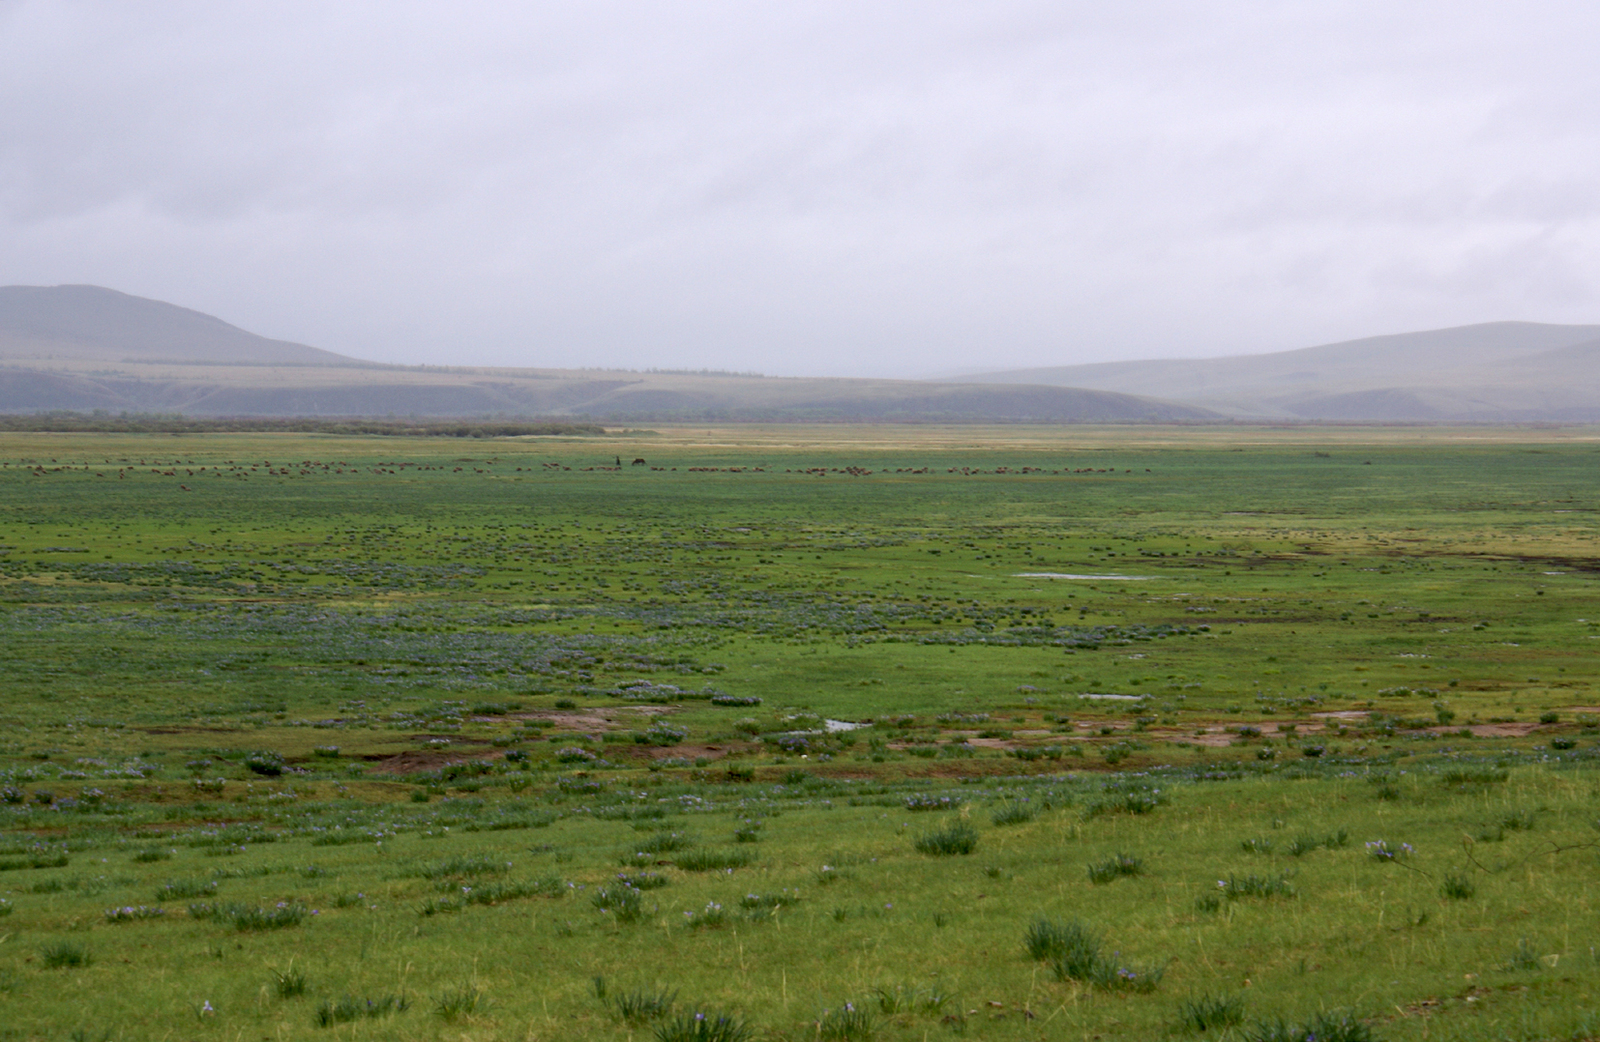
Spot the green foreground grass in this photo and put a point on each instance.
(836, 734)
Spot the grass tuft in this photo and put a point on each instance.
(764, 906)
(922, 801)
(1014, 813)
(1135, 803)
(65, 955)
(711, 917)
(186, 888)
(1047, 939)
(460, 866)
(848, 1023)
(1209, 1013)
(643, 880)
(1235, 887)
(1073, 951)
(1517, 821)
(929, 1001)
(959, 838)
(1324, 1027)
(251, 918)
(349, 1008)
(1522, 958)
(1115, 867)
(664, 843)
(704, 1027)
(463, 1001)
(289, 983)
(133, 913)
(1465, 776)
(623, 902)
(1303, 844)
(710, 860)
(639, 1006)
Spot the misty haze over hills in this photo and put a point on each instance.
(1488, 373)
(84, 348)
(92, 323)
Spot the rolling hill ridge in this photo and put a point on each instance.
(1492, 372)
(84, 348)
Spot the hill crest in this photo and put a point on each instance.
(1490, 372)
(85, 348)
(92, 322)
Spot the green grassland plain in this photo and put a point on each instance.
(341, 737)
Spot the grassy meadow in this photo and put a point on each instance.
(706, 734)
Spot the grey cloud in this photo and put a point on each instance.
(884, 188)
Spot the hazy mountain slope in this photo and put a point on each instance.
(1500, 371)
(333, 391)
(1578, 360)
(84, 348)
(91, 322)
(797, 399)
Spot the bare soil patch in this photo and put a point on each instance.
(590, 719)
(689, 752)
(1517, 730)
(1212, 739)
(413, 760)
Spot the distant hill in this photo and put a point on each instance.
(1494, 372)
(84, 348)
(94, 323)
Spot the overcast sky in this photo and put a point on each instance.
(900, 187)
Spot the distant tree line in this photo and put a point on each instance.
(102, 422)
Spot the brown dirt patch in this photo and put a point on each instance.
(415, 760)
(688, 752)
(1217, 739)
(590, 719)
(1520, 730)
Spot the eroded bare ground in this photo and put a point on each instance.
(414, 760)
(1506, 730)
(591, 719)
